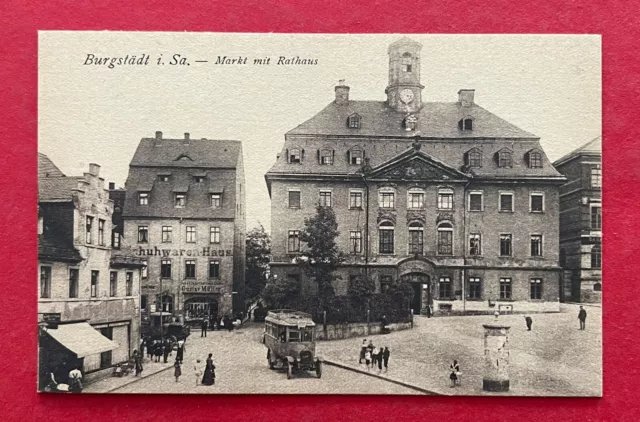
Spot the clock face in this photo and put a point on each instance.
(406, 96)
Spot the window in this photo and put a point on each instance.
(445, 239)
(326, 157)
(143, 198)
(475, 244)
(199, 179)
(144, 301)
(355, 199)
(410, 122)
(167, 234)
(143, 234)
(386, 237)
(416, 238)
(294, 199)
(191, 234)
(596, 257)
(144, 272)
(406, 68)
(386, 199)
(165, 268)
(180, 200)
(476, 202)
(294, 241)
(475, 288)
(216, 200)
(505, 288)
(355, 239)
(536, 202)
(101, 232)
(385, 282)
(214, 235)
(356, 156)
(536, 245)
(597, 287)
(190, 268)
(535, 160)
(535, 288)
(474, 158)
(129, 284)
(74, 278)
(444, 288)
(325, 198)
(113, 284)
(164, 177)
(115, 239)
(506, 202)
(596, 218)
(505, 245)
(95, 275)
(89, 228)
(214, 269)
(354, 123)
(596, 177)
(504, 159)
(415, 199)
(294, 156)
(466, 124)
(445, 199)
(45, 282)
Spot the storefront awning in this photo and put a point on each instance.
(82, 339)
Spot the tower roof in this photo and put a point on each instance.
(402, 41)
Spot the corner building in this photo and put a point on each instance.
(185, 215)
(448, 196)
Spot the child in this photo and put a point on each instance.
(177, 371)
(196, 371)
(367, 358)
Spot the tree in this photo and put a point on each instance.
(321, 256)
(361, 288)
(282, 293)
(258, 245)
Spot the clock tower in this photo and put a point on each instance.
(404, 92)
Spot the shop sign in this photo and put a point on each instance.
(166, 253)
(51, 319)
(200, 288)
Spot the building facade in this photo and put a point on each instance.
(581, 223)
(90, 293)
(184, 215)
(447, 196)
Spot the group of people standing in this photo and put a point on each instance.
(218, 324)
(374, 356)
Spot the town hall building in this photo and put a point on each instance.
(447, 196)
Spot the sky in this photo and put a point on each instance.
(549, 85)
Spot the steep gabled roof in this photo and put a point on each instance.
(200, 152)
(46, 168)
(435, 120)
(57, 189)
(53, 250)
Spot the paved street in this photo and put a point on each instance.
(241, 368)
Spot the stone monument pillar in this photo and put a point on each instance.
(496, 358)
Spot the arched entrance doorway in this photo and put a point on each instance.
(201, 307)
(421, 285)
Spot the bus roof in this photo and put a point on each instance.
(290, 318)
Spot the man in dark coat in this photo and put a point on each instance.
(582, 316)
(385, 357)
(166, 350)
(203, 327)
(529, 322)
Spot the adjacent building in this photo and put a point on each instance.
(448, 196)
(581, 222)
(88, 297)
(184, 216)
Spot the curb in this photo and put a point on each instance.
(404, 384)
(594, 305)
(134, 381)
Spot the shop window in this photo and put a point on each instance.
(165, 268)
(214, 268)
(214, 234)
(386, 237)
(475, 288)
(475, 244)
(445, 239)
(355, 239)
(535, 288)
(74, 278)
(294, 199)
(416, 238)
(190, 268)
(167, 234)
(294, 241)
(95, 275)
(505, 288)
(505, 245)
(45, 282)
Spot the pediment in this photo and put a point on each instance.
(416, 167)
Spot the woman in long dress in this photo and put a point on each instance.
(209, 377)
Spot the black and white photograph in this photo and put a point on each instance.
(402, 214)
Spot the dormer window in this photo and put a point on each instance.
(534, 157)
(164, 177)
(180, 200)
(353, 122)
(410, 122)
(356, 156)
(325, 156)
(474, 158)
(295, 155)
(199, 179)
(143, 198)
(183, 157)
(505, 159)
(465, 124)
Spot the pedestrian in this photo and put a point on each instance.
(137, 363)
(75, 380)
(454, 368)
(529, 322)
(380, 356)
(582, 316)
(150, 345)
(209, 377)
(177, 371)
(157, 351)
(221, 324)
(428, 311)
(363, 349)
(374, 356)
(367, 358)
(196, 371)
(166, 349)
(228, 323)
(385, 356)
(203, 327)
(180, 351)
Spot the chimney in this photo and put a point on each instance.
(94, 169)
(112, 186)
(465, 97)
(342, 93)
(158, 135)
(186, 138)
